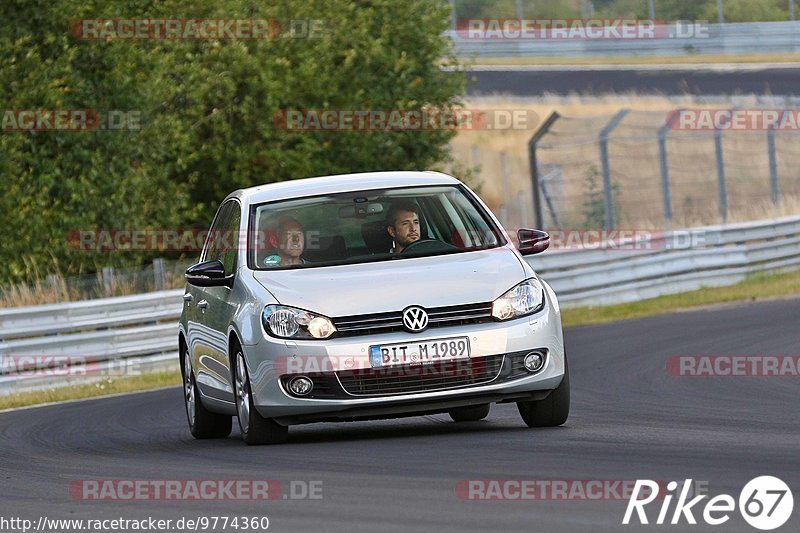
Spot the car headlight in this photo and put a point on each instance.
(292, 323)
(524, 299)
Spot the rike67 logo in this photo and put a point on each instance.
(765, 503)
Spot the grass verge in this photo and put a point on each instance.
(755, 287)
(642, 60)
(761, 286)
(101, 388)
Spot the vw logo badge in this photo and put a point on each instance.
(415, 319)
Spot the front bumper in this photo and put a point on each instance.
(272, 358)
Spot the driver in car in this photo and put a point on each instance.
(402, 223)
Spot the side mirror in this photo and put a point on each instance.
(532, 241)
(208, 274)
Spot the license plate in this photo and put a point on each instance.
(417, 353)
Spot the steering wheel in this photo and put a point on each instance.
(428, 245)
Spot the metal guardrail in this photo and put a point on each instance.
(141, 329)
(100, 338)
(89, 314)
(674, 262)
(733, 38)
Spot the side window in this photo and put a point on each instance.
(231, 238)
(222, 242)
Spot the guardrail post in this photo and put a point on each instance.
(159, 275)
(608, 194)
(723, 193)
(773, 165)
(664, 166)
(534, 168)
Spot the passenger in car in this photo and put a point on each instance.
(402, 223)
(291, 243)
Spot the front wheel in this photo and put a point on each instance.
(551, 411)
(255, 428)
(202, 423)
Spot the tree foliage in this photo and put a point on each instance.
(207, 109)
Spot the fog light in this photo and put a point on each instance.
(534, 361)
(301, 386)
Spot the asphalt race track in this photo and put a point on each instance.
(779, 81)
(630, 419)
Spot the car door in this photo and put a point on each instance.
(214, 308)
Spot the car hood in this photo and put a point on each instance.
(385, 286)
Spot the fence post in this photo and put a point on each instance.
(108, 280)
(504, 210)
(723, 193)
(475, 153)
(550, 207)
(773, 165)
(608, 193)
(523, 210)
(664, 166)
(534, 168)
(159, 276)
(52, 284)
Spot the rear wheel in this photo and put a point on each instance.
(551, 411)
(255, 428)
(472, 413)
(202, 423)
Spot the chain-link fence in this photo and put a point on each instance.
(633, 169)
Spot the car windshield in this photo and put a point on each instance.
(368, 226)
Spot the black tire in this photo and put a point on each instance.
(472, 413)
(255, 428)
(202, 423)
(551, 411)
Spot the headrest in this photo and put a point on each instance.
(376, 237)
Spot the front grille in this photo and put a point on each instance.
(454, 315)
(414, 379)
(409, 379)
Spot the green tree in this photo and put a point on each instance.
(207, 110)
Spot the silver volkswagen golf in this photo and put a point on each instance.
(366, 296)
